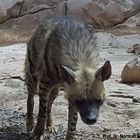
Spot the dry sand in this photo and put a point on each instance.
(119, 117)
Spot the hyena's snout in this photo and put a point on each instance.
(89, 111)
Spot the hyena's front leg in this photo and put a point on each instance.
(51, 97)
(72, 121)
(43, 93)
(31, 83)
(29, 117)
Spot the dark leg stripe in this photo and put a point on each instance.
(72, 129)
(42, 90)
(30, 105)
(73, 123)
(42, 112)
(29, 60)
(75, 118)
(43, 99)
(30, 88)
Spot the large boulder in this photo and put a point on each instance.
(4, 6)
(131, 71)
(103, 13)
(20, 17)
(29, 13)
(99, 13)
(134, 49)
(133, 21)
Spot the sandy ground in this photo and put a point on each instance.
(119, 117)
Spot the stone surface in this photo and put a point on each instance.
(133, 21)
(103, 13)
(10, 12)
(134, 49)
(100, 14)
(5, 5)
(18, 18)
(131, 71)
(30, 13)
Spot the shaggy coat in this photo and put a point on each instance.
(63, 53)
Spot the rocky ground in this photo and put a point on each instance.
(119, 116)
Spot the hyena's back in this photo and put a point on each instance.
(61, 41)
(59, 45)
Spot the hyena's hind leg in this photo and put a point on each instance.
(31, 82)
(72, 121)
(51, 97)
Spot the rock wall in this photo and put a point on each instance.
(99, 13)
(22, 16)
(27, 14)
(103, 13)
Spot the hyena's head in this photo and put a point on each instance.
(85, 89)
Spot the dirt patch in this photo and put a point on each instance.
(119, 117)
(11, 37)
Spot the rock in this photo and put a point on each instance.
(134, 49)
(133, 21)
(34, 6)
(15, 10)
(102, 13)
(112, 104)
(131, 71)
(4, 6)
(18, 18)
(27, 14)
(20, 108)
(136, 99)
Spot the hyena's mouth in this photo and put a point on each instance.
(89, 119)
(89, 111)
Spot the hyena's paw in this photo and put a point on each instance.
(70, 138)
(40, 126)
(51, 129)
(29, 124)
(32, 136)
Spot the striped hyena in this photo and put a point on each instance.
(63, 52)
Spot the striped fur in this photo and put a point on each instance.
(62, 52)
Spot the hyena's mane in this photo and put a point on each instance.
(79, 44)
(79, 52)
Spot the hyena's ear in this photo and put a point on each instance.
(68, 75)
(104, 72)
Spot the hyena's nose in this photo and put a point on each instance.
(90, 120)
